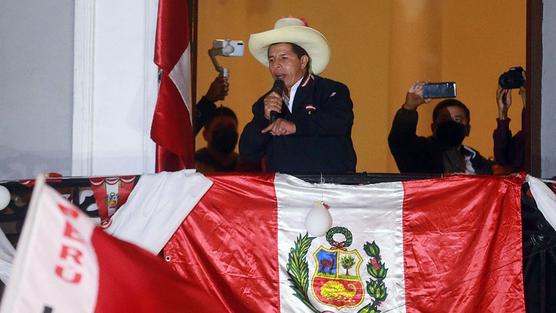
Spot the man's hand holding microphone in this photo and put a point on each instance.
(272, 109)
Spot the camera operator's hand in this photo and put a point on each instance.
(414, 97)
(504, 100)
(280, 127)
(523, 94)
(218, 89)
(272, 102)
(523, 91)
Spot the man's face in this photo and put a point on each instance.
(219, 123)
(453, 113)
(221, 135)
(284, 64)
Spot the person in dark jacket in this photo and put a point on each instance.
(306, 126)
(509, 151)
(443, 152)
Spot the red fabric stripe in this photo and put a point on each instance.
(228, 247)
(99, 192)
(463, 253)
(172, 33)
(133, 280)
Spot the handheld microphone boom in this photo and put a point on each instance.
(278, 88)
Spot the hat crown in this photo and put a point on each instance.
(289, 21)
(293, 30)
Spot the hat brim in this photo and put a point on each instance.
(307, 38)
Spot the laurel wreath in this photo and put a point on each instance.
(375, 285)
(298, 269)
(339, 230)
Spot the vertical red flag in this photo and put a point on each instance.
(171, 127)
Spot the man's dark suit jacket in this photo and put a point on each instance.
(323, 115)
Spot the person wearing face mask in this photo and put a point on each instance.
(303, 125)
(443, 152)
(221, 135)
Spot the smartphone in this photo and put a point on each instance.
(439, 90)
(230, 48)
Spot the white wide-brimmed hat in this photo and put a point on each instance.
(292, 30)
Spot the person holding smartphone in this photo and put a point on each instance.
(443, 152)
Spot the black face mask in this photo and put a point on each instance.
(450, 133)
(224, 140)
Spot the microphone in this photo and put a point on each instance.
(278, 87)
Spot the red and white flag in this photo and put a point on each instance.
(172, 122)
(439, 245)
(65, 264)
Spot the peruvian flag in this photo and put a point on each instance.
(438, 245)
(172, 127)
(64, 263)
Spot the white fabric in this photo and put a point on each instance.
(291, 96)
(181, 76)
(156, 208)
(545, 199)
(7, 253)
(382, 204)
(55, 264)
(468, 165)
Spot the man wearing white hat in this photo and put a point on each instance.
(305, 125)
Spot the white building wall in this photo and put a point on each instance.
(115, 87)
(36, 86)
(548, 119)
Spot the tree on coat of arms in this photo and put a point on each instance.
(347, 262)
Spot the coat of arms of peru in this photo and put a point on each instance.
(337, 282)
